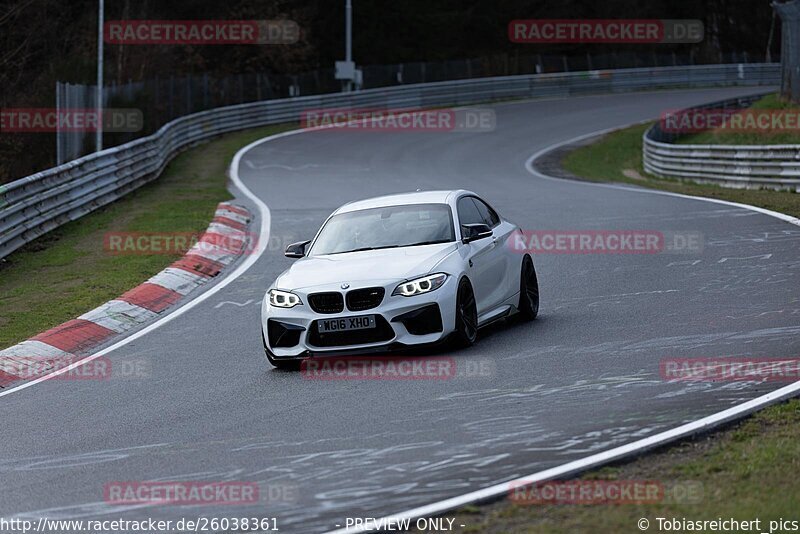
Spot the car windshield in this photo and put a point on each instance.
(386, 227)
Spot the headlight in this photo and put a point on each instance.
(283, 299)
(420, 285)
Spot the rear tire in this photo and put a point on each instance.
(466, 316)
(528, 291)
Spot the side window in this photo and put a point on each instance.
(468, 213)
(488, 214)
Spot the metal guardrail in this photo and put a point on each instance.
(737, 166)
(34, 205)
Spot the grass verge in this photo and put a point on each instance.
(746, 472)
(67, 271)
(617, 157)
(722, 136)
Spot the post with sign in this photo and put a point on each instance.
(346, 70)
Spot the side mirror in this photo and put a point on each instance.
(473, 232)
(296, 250)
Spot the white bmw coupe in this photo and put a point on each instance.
(398, 271)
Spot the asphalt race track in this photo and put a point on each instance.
(583, 378)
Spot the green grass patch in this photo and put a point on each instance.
(67, 272)
(745, 472)
(617, 157)
(721, 136)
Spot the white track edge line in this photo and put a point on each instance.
(596, 460)
(263, 237)
(529, 167)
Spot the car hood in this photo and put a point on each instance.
(350, 267)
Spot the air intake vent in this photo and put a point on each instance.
(331, 302)
(364, 299)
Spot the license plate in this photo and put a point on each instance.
(361, 322)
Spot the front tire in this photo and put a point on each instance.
(466, 316)
(528, 291)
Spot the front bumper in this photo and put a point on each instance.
(400, 322)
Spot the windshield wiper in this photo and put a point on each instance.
(362, 249)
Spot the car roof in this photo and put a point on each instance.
(399, 199)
